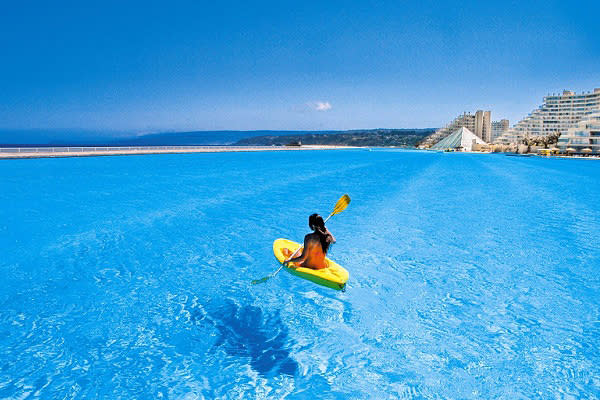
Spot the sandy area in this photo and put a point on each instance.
(24, 153)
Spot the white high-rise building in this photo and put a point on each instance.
(582, 138)
(499, 128)
(558, 113)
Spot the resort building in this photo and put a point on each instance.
(483, 125)
(461, 140)
(499, 128)
(557, 114)
(479, 124)
(583, 138)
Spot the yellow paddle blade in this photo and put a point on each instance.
(341, 204)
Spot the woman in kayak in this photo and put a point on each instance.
(315, 246)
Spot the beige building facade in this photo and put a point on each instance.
(483, 125)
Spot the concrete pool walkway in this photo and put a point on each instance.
(84, 151)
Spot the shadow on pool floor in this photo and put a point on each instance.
(248, 332)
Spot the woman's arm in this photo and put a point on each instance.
(301, 257)
(332, 237)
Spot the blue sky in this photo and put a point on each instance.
(183, 65)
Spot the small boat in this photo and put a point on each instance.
(334, 276)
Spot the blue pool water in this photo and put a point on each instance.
(471, 276)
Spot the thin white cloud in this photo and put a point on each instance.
(320, 105)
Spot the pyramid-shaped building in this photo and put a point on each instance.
(460, 139)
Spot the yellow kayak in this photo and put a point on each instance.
(334, 276)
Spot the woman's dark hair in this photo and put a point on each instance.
(316, 223)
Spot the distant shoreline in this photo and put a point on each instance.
(83, 151)
(74, 138)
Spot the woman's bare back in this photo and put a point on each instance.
(312, 253)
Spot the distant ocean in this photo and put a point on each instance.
(24, 138)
